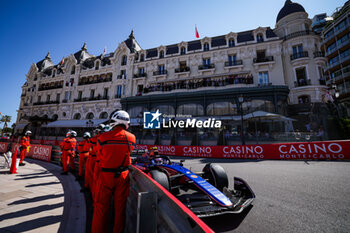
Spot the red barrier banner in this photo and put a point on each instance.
(323, 150)
(3, 147)
(41, 152)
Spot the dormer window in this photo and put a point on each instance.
(161, 54)
(260, 38)
(206, 47)
(97, 65)
(124, 60)
(231, 43)
(183, 50)
(73, 70)
(54, 73)
(142, 58)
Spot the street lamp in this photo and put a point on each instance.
(241, 100)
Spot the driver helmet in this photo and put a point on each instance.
(68, 133)
(120, 118)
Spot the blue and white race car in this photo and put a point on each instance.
(205, 193)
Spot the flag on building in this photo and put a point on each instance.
(197, 34)
(104, 53)
(62, 61)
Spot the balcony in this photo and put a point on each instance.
(160, 72)
(121, 76)
(206, 67)
(143, 75)
(295, 56)
(297, 34)
(322, 81)
(182, 70)
(47, 102)
(95, 81)
(318, 54)
(263, 59)
(302, 82)
(49, 88)
(233, 63)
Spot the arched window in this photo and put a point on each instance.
(260, 38)
(222, 108)
(73, 70)
(191, 109)
(161, 54)
(183, 50)
(97, 65)
(55, 117)
(103, 115)
(231, 42)
(124, 60)
(90, 116)
(64, 114)
(206, 46)
(77, 116)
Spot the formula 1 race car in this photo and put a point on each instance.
(205, 193)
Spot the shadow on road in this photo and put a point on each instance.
(227, 222)
(36, 199)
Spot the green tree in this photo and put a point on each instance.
(6, 119)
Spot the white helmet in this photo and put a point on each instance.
(120, 118)
(68, 133)
(73, 133)
(87, 135)
(28, 132)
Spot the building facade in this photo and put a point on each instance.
(336, 44)
(278, 70)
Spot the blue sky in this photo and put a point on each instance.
(29, 29)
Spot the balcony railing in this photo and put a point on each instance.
(181, 70)
(160, 72)
(46, 102)
(263, 59)
(322, 81)
(95, 81)
(302, 82)
(206, 67)
(49, 88)
(121, 76)
(233, 63)
(140, 75)
(299, 55)
(318, 54)
(297, 34)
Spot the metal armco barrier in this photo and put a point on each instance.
(171, 215)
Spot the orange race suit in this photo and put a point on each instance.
(68, 146)
(84, 149)
(113, 181)
(90, 164)
(25, 145)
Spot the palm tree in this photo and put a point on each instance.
(5, 119)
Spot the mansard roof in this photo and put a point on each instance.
(45, 63)
(82, 54)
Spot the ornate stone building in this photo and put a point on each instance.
(276, 70)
